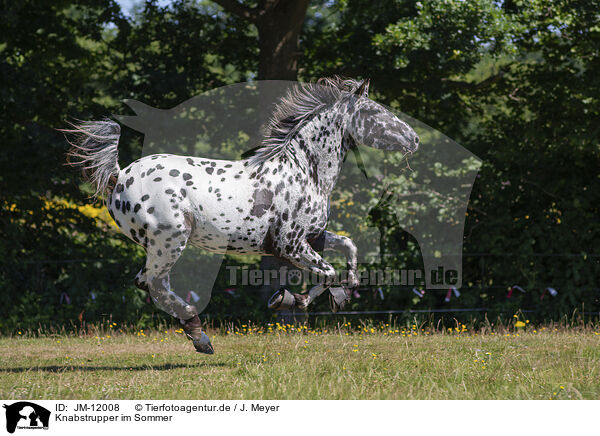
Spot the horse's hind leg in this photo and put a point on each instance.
(140, 281)
(159, 262)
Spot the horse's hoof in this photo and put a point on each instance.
(193, 330)
(203, 345)
(302, 301)
(338, 299)
(281, 300)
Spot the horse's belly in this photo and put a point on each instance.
(210, 238)
(224, 220)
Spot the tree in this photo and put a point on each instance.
(514, 82)
(279, 25)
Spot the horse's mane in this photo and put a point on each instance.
(295, 109)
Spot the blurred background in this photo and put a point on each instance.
(515, 83)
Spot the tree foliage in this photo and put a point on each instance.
(514, 82)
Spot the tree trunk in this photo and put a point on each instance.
(278, 39)
(279, 23)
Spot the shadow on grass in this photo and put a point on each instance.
(84, 368)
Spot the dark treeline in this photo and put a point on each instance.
(515, 83)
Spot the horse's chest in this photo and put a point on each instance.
(303, 211)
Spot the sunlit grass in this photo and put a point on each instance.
(283, 361)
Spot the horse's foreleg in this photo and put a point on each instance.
(345, 245)
(306, 258)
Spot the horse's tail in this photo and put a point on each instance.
(94, 150)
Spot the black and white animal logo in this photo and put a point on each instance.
(26, 415)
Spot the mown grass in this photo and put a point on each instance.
(285, 362)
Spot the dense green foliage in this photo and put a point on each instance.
(516, 83)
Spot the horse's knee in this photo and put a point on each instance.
(342, 244)
(350, 248)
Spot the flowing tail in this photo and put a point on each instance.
(94, 150)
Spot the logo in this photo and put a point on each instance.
(26, 415)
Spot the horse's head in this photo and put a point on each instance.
(373, 125)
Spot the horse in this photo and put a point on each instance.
(273, 202)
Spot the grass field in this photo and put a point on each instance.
(281, 362)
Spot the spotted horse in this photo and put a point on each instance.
(274, 202)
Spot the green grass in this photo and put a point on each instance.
(385, 364)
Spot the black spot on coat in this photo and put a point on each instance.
(262, 202)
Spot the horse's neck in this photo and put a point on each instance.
(321, 151)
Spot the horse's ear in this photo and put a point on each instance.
(363, 89)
